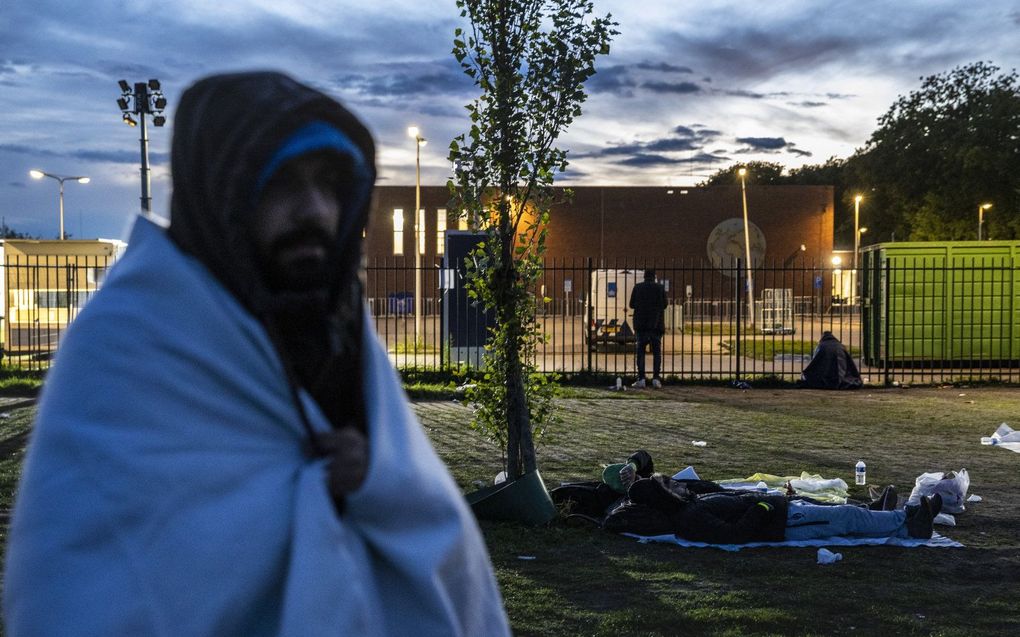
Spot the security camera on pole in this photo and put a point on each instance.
(148, 100)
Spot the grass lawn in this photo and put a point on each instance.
(586, 582)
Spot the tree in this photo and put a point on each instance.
(943, 150)
(758, 172)
(529, 59)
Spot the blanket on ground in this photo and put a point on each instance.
(166, 490)
(936, 541)
(833, 490)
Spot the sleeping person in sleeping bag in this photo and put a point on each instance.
(222, 445)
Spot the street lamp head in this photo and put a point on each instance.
(124, 86)
(837, 260)
(130, 121)
(863, 230)
(36, 174)
(422, 141)
(986, 206)
(412, 131)
(154, 84)
(742, 172)
(858, 198)
(84, 180)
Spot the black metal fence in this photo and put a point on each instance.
(907, 322)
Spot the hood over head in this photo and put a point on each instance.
(231, 133)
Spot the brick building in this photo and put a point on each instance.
(637, 223)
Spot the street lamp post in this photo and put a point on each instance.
(148, 100)
(857, 244)
(38, 174)
(419, 141)
(981, 217)
(747, 249)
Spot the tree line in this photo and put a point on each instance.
(938, 153)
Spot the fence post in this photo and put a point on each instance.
(736, 299)
(885, 331)
(589, 314)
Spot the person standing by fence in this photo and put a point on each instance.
(648, 300)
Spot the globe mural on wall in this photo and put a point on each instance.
(726, 245)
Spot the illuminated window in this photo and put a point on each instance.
(462, 221)
(421, 231)
(440, 230)
(398, 231)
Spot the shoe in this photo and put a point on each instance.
(919, 519)
(640, 384)
(884, 501)
(936, 505)
(656, 383)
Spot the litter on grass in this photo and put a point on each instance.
(825, 556)
(1004, 437)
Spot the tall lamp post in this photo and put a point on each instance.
(38, 174)
(419, 141)
(981, 217)
(857, 243)
(148, 100)
(747, 248)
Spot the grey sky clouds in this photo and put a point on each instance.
(688, 88)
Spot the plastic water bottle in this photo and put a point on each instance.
(860, 475)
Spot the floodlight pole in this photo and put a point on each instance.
(148, 100)
(141, 108)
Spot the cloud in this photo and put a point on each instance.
(672, 87)
(768, 145)
(642, 159)
(664, 67)
(17, 184)
(407, 79)
(808, 104)
(107, 156)
(623, 79)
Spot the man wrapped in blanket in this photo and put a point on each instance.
(222, 446)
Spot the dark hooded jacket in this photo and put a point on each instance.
(708, 513)
(648, 300)
(831, 367)
(227, 128)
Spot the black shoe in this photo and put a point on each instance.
(886, 501)
(919, 519)
(936, 505)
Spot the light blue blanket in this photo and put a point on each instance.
(935, 541)
(166, 491)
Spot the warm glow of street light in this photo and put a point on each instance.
(837, 260)
(863, 230)
(412, 131)
(742, 172)
(83, 180)
(858, 198)
(36, 174)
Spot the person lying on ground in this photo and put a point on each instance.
(660, 505)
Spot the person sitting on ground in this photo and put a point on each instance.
(831, 367)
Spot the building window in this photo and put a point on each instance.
(440, 230)
(398, 231)
(421, 231)
(462, 220)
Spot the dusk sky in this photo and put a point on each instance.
(689, 87)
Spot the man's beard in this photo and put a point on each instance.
(299, 262)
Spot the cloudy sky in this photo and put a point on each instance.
(689, 87)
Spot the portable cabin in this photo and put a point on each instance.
(941, 303)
